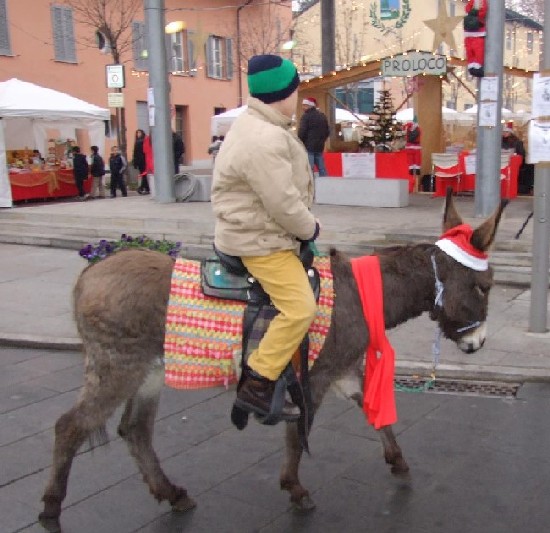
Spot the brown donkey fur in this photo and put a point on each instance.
(120, 308)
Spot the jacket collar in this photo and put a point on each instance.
(268, 113)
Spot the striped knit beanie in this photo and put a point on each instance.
(271, 78)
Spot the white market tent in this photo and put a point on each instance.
(220, 124)
(448, 115)
(28, 111)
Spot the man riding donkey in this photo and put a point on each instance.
(262, 192)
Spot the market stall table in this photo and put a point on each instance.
(393, 165)
(50, 183)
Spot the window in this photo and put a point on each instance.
(529, 42)
(219, 58)
(5, 48)
(139, 46)
(508, 38)
(63, 34)
(180, 53)
(452, 9)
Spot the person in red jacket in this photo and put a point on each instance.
(474, 36)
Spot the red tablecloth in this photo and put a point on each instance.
(388, 165)
(44, 184)
(468, 181)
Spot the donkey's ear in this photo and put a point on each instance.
(484, 235)
(451, 218)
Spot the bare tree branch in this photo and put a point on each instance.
(113, 18)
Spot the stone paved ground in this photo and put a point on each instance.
(477, 464)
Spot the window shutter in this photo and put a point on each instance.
(209, 63)
(57, 28)
(139, 38)
(229, 58)
(68, 29)
(192, 53)
(5, 48)
(170, 63)
(63, 34)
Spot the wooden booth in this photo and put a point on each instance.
(428, 108)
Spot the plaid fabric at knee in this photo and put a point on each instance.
(203, 335)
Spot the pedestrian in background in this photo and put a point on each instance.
(215, 146)
(179, 150)
(117, 165)
(313, 132)
(149, 162)
(97, 170)
(138, 162)
(80, 172)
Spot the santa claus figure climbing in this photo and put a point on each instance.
(474, 36)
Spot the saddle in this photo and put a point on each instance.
(226, 277)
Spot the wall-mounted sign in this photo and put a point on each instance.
(414, 63)
(115, 99)
(115, 76)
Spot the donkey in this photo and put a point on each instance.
(120, 307)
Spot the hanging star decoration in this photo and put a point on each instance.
(443, 27)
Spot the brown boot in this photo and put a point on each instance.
(256, 393)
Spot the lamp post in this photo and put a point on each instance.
(159, 119)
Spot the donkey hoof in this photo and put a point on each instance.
(304, 505)
(400, 467)
(184, 504)
(49, 523)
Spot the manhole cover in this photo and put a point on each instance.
(456, 386)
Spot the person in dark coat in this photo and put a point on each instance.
(138, 162)
(80, 172)
(526, 177)
(97, 170)
(179, 150)
(313, 132)
(117, 165)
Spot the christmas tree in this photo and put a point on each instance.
(385, 132)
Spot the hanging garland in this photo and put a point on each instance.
(377, 22)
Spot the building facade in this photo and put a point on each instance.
(376, 29)
(63, 45)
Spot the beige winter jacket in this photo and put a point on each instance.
(263, 186)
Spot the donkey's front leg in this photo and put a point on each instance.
(350, 387)
(392, 451)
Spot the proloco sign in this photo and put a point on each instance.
(414, 63)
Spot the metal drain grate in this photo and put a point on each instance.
(494, 389)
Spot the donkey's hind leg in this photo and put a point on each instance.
(86, 419)
(136, 428)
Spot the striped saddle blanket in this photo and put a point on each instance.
(203, 338)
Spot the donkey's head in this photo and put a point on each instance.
(464, 277)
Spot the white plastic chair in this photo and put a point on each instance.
(447, 165)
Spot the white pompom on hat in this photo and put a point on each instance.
(310, 101)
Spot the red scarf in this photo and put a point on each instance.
(378, 390)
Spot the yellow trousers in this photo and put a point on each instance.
(283, 277)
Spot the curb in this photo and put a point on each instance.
(506, 374)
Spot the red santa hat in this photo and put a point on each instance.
(310, 101)
(457, 242)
